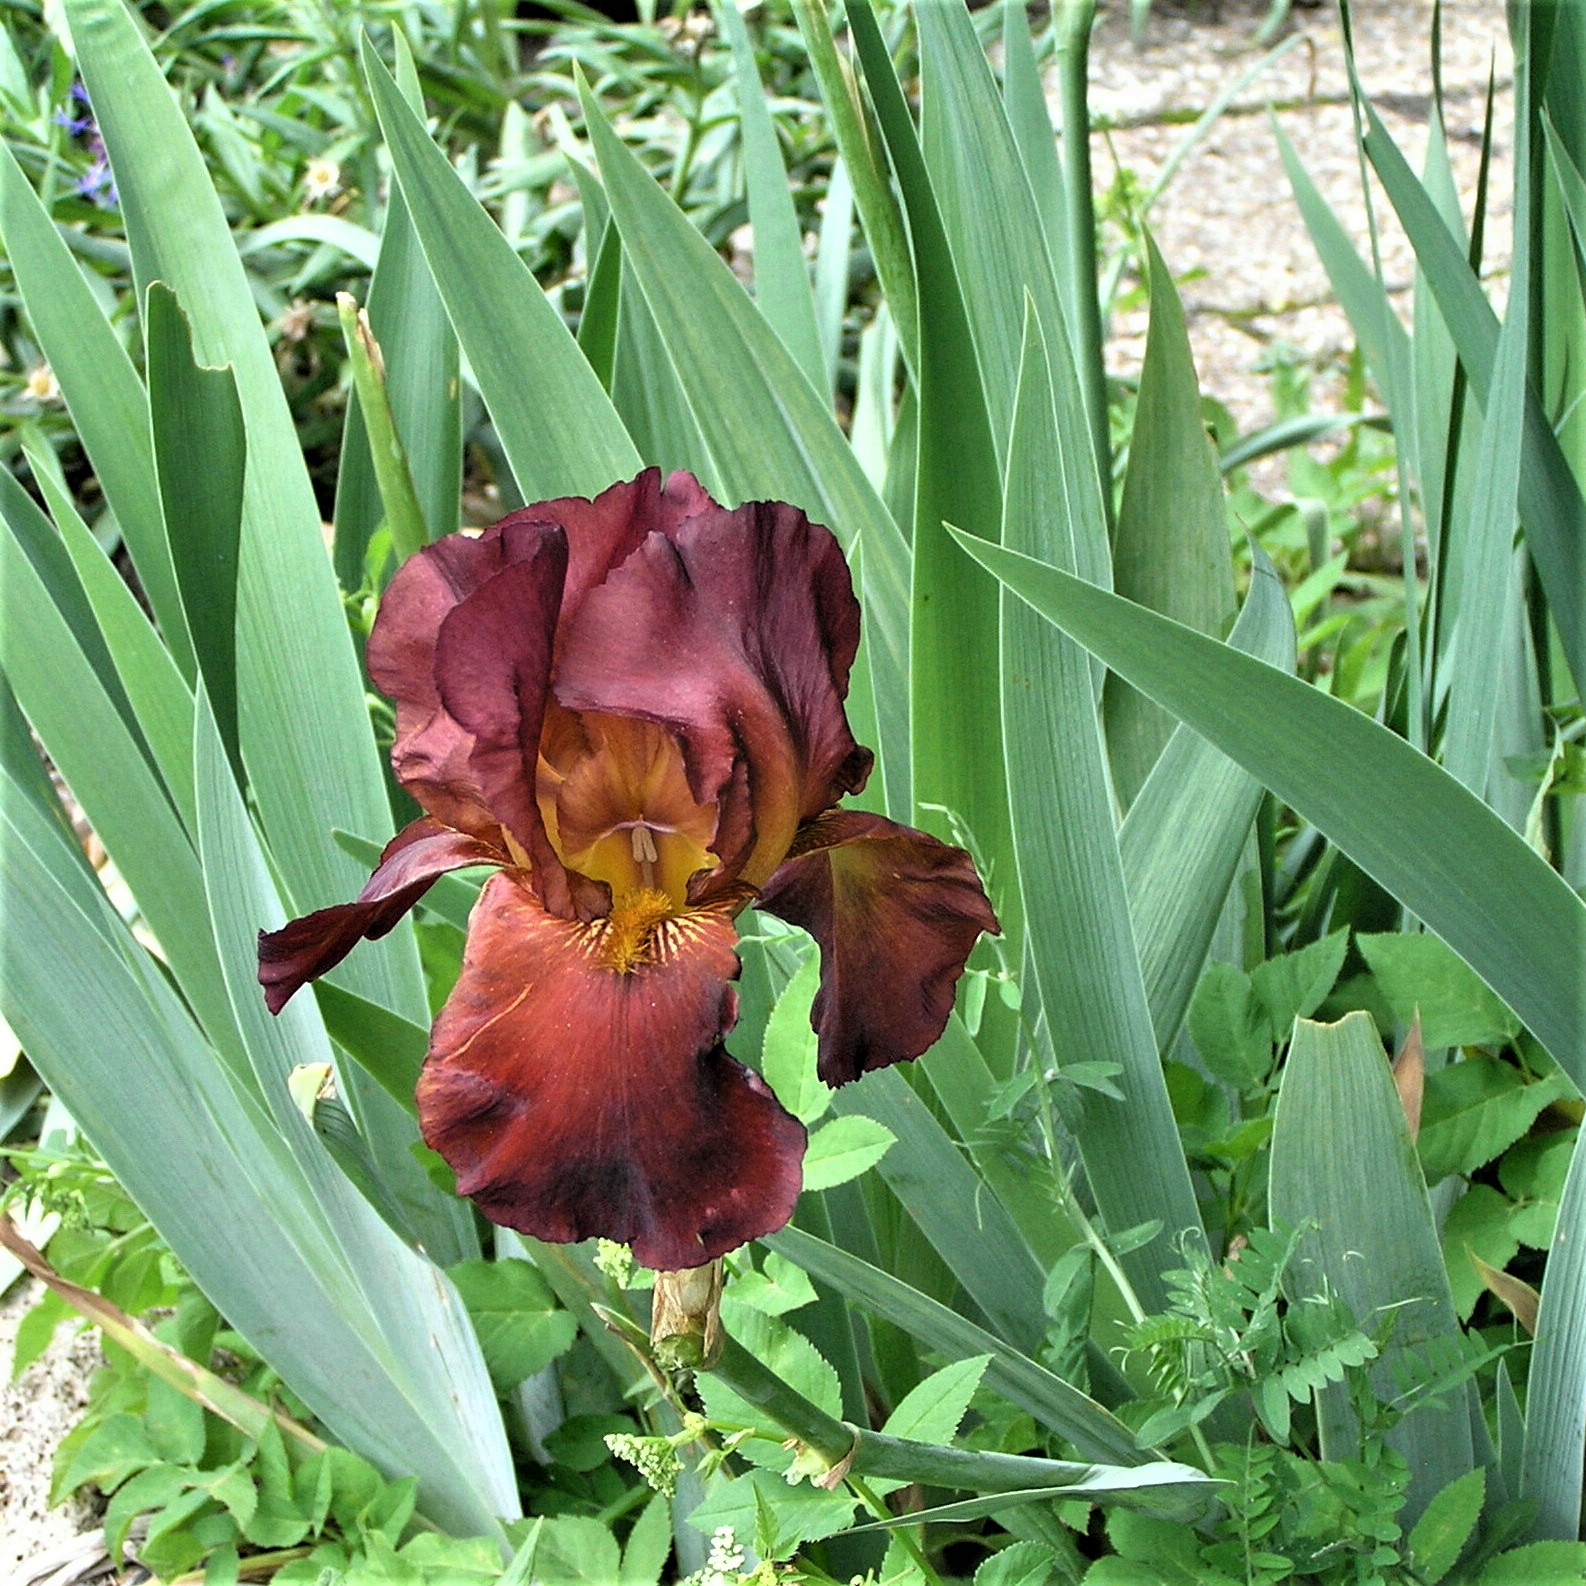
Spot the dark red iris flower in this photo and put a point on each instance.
(633, 706)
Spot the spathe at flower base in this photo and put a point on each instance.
(633, 708)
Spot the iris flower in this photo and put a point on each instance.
(633, 708)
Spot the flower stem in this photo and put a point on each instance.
(1167, 1489)
(392, 476)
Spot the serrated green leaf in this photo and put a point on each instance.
(1420, 974)
(843, 1149)
(1292, 985)
(788, 1053)
(932, 1410)
(1439, 1536)
(1474, 1109)
(521, 1328)
(793, 1514)
(1228, 1028)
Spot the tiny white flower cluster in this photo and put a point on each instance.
(655, 1458)
(724, 1563)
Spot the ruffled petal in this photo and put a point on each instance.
(604, 532)
(575, 1098)
(895, 913)
(738, 632)
(492, 671)
(432, 752)
(413, 861)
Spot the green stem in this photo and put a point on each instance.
(858, 1452)
(392, 476)
(1071, 25)
(859, 143)
(910, 1544)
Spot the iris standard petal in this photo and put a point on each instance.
(738, 632)
(433, 755)
(413, 861)
(895, 913)
(578, 1085)
(492, 671)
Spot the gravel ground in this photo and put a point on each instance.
(1229, 231)
(1228, 226)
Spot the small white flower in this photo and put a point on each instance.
(321, 178)
(42, 386)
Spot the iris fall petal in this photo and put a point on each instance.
(413, 861)
(895, 913)
(575, 1097)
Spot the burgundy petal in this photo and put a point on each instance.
(433, 752)
(577, 1083)
(603, 533)
(896, 913)
(413, 860)
(492, 671)
(738, 632)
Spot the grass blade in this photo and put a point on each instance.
(1083, 952)
(1343, 1161)
(574, 445)
(1555, 1400)
(1447, 857)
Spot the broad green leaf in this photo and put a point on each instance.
(781, 277)
(1479, 1226)
(767, 432)
(200, 456)
(1082, 949)
(843, 1149)
(576, 1550)
(1555, 1403)
(575, 445)
(1292, 985)
(520, 1326)
(769, 1515)
(955, 748)
(1185, 833)
(305, 730)
(1094, 1431)
(109, 409)
(648, 1547)
(788, 1354)
(1343, 1167)
(1170, 551)
(1418, 974)
(1446, 1525)
(1229, 1028)
(1447, 857)
(931, 1411)
(1475, 1109)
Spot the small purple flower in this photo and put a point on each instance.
(74, 125)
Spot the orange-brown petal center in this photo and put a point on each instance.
(618, 807)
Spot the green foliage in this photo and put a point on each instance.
(1086, 1158)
